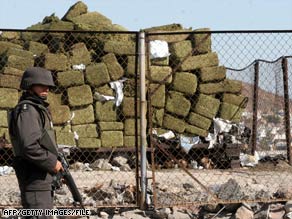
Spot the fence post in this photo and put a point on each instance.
(255, 108)
(287, 108)
(143, 140)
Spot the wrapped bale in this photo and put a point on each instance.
(157, 116)
(230, 112)
(114, 68)
(70, 78)
(86, 130)
(8, 98)
(157, 95)
(161, 74)
(64, 135)
(185, 82)
(177, 104)
(12, 71)
(202, 41)
(199, 121)
(112, 139)
(196, 130)
(83, 116)
(55, 62)
(207, 74)
(80, 95)
(106, 111)
(129, 128)
(9, 81)
(111, 126)
(79, 54)
(199, 61)
(172, 123)
(238, 100)
(120, 47)
(60, 114)
(37, 48)
(207, 106)
(97, 74)
(3, 118)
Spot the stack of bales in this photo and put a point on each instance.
(189, 88)
(185, 98)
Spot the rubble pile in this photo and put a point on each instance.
(93, 104)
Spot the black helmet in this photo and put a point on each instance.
(34, 76)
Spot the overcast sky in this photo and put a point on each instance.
(139, 14)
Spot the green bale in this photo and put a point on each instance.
(97, 74)
(75, 10)
(211, 88)
(202, 41)
(18, 62)
(199, 61)
(207, 106)
(114, 68)
(157, 116)
(54, 99)
(173, 123)
(106, 112)
(60, 114)
(166, 27)
(89, 143)
(12, 71)
(177, 104)
(70, 78)
(129, 88)
(161, 74)
(130, 141)
(120, 47)
(238, 100)
(207, 74)
(3, 118)
(196, 131)
(230, 112)
(105, 90)
(5, 133)
(199, 121)
(79, 54)
(18, 52)
(232, 86)
(111, 126)
(157, 95)
(128, 107)
(56, 62)
(64, 136)
(9, 35)
(80, 95)
(4, 46)
(160, 61)
(91, 19)
(112, 139)
(185, 82)
(86, 130)
(8, 98)
(83, 116)
(129, 127)
(9, 81)
(37, 48)
(181, 49)
(131, 66)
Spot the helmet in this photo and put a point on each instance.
(36, 75)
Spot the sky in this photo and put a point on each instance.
(138, 14)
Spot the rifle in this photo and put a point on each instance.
(69, 181)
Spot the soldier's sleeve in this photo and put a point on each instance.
(30, 130)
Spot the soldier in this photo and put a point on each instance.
(32, 136)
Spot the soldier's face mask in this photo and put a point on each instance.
(40, 90)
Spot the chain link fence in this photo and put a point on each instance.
(219, 117)
(93, 107)
(218, 114)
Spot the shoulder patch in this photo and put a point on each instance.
(24, 107)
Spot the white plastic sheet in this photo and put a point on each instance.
(78, 67)
(249, 160)
(158, 49)
(187, 142)
(5, 170)
(118, 87)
